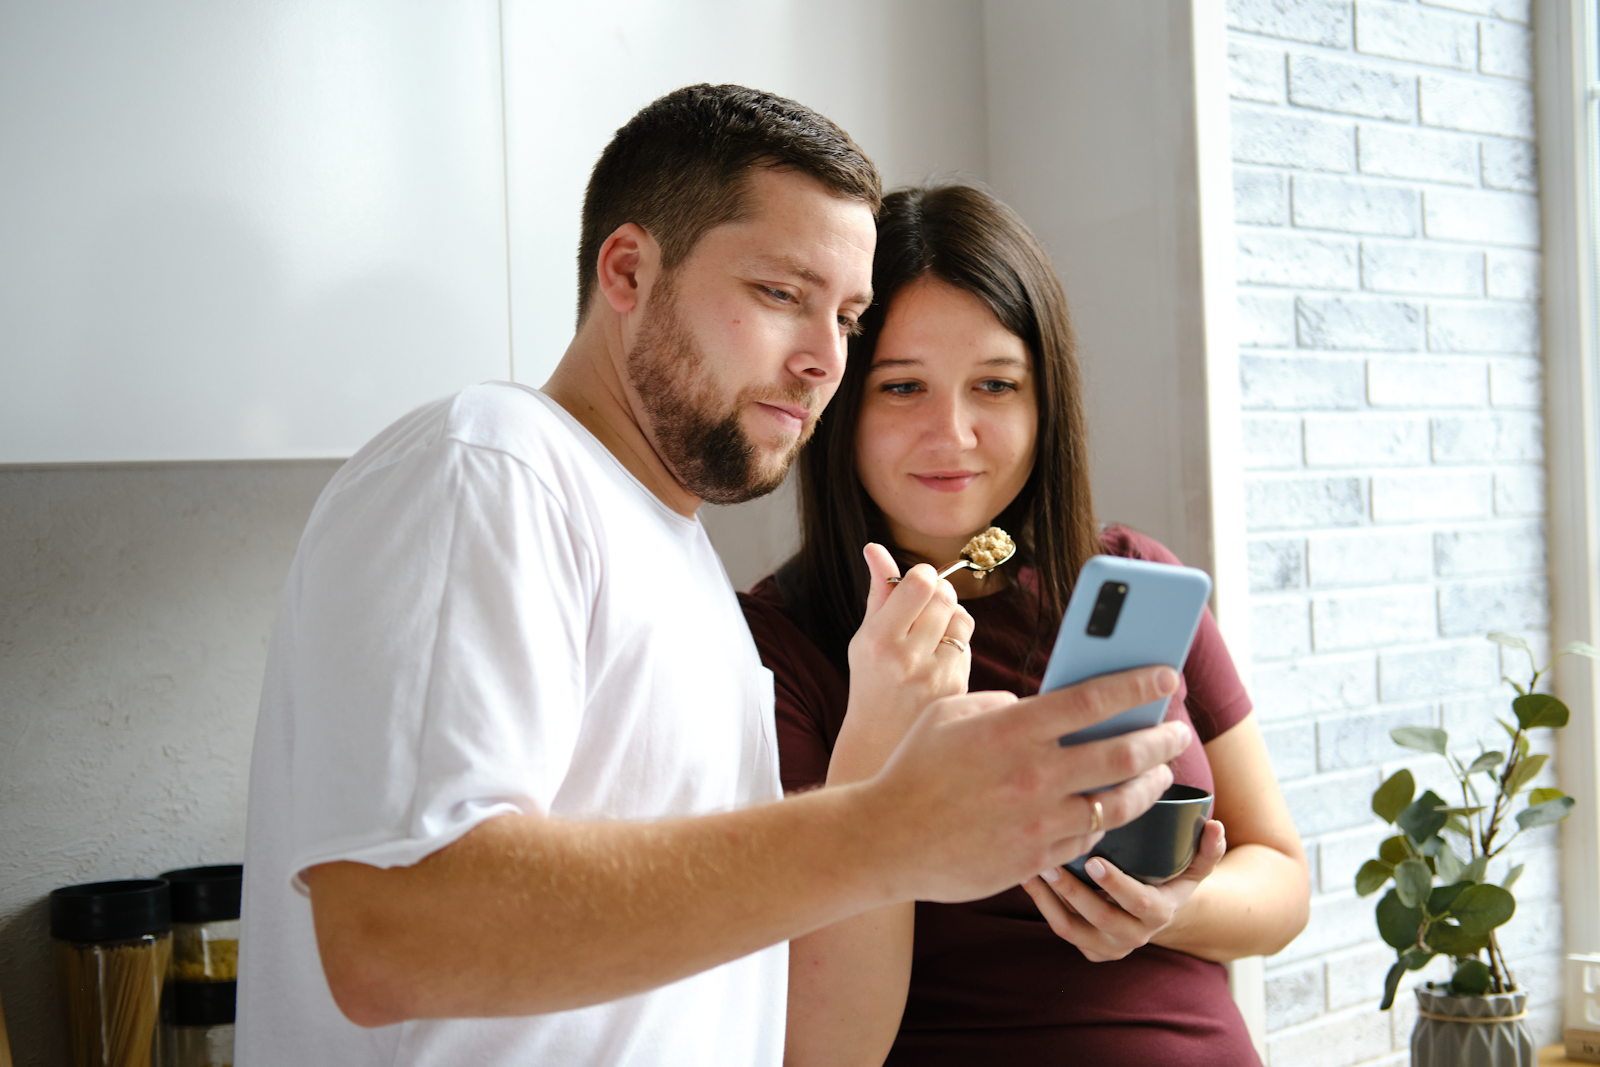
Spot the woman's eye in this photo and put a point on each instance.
(997, 387)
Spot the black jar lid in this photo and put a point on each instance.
(110, 911)
(205, 894)
(202, 1003)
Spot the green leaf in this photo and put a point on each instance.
(1579, 648)
(1522, 747)
(1487, 762)
(1430, 848)
(1393, 795)
(1397, 924)
(1422, 738)
(1449, 867)
(1510, 641)
(1391, 983)
(1413, 879)
(1540, 709)
(1511, 731)
(1471, 979)
(1456, 824)
(1524, 772)
(1481, 908)
(1449, 939)
(1371, 876)
(1539, 796)
(1551, 811)
(1465, 811)
(1422, 818)
(1440, 899)
(1394, 850)
(1477, 870)
(1511, 877)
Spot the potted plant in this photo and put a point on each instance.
(1443, 901)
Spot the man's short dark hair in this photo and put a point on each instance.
(681, 166)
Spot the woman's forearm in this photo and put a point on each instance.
(1253, 904)
(847, 989)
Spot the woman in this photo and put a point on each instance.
(960, 408)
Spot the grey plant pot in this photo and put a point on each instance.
(1440, 1043)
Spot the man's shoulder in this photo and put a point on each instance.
(518, 421)
(509, 420)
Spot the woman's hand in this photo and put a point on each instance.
(1125, 913)
(910, 651)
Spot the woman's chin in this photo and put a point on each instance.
(933, 530)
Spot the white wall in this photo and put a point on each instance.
(1389, 271)
(138, 600)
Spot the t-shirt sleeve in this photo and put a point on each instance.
(810, 696)
(440, 611)
(1216, 697)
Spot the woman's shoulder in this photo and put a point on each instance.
(1128, 543)
(766, 610)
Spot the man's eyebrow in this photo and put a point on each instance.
(800, 270)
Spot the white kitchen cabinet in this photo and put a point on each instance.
(238, 230)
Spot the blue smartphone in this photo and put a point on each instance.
(1126, 613)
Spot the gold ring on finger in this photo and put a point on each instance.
(1098, 821)
(954, 642)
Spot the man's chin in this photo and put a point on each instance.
(767, 473)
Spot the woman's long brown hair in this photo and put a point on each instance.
(964, 237)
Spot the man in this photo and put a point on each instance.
(515, 783)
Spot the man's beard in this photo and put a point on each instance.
(700, 439)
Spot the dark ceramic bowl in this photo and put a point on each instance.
(1160, 844)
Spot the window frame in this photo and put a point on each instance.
(1565, 46)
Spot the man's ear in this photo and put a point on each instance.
(628, 264)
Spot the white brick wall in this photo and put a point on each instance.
(1387, 211)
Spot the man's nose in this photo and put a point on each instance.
(819, 358)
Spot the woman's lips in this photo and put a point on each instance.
(946, 481)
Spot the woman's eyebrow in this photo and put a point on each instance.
(995, 361)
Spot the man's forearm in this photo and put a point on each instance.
(526, 915)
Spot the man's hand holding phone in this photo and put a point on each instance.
(980, 795)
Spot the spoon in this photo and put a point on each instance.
(982, 554)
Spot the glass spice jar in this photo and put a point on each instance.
(198, 1024)
(113, 942)
(198, 1009)
(205, 922)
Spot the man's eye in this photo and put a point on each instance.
(783, 296)
(849, 327)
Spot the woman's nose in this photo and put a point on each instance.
(950, 421)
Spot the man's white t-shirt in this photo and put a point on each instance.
(488, 614)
